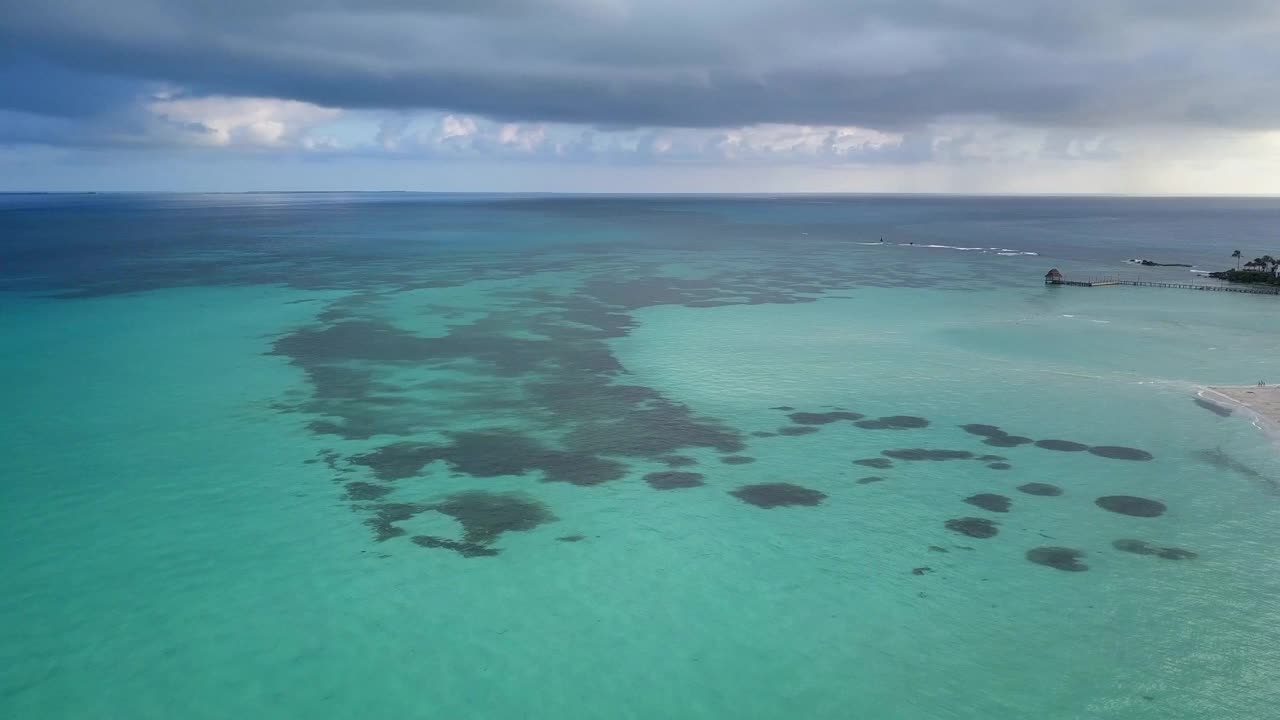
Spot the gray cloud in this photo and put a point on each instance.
(631, 63)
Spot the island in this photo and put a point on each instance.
(1259, 271)
(1153, 263)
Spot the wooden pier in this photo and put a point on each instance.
(1055, 278)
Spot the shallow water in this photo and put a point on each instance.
(375, 455)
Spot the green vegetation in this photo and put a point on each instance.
(1258, 270)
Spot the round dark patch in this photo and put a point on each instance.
(737, 460)
(811, 418)
(991, 458)
(1007, 441)
(973, 527)
(673, 480)
(1044, 489)
(927, 454)
(1120, 453)
(572, 538)
(870, 479)
(999, 466)
(1062, 445)
(1130, 505)
(1171, 553)
(989, 501)
(771, 495)
(983, 430)
(1059, 558)
(1137, 547)
(878, 463)
(800, 430)
(677, 460)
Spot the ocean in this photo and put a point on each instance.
(489, 456)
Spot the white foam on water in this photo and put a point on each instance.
(959, 248)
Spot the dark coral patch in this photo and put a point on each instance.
(989, 501)
(465, 549)
(387, 515)
(878, 463)
(826, 418)
(737, 460)
(1007, 441)
(771, 495)
(572, 538)
(797, 430)
(491, 453)
(894, 422)
(1130, 505)
(783, 408)
(763, 434)
(999, 466)
(366, 491)
(1120, 453)
(1222, 461)
(927, 454)
(397, 460)
(1137, 547)
(485, 515)
(649, 428)
(672, 480)
(973, 527)
(982, 430)
(1212, 407)
(1142, 547)
(1059, 558)
(870, 479)
(1042, 489)
(677, 460)
(1061, 445)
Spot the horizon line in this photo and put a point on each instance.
(755, 194)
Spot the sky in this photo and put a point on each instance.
(940, 96)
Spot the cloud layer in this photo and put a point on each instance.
(876, 63)
(813, 82)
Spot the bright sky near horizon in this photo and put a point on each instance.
(967, 96)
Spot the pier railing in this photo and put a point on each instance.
(1105, 281)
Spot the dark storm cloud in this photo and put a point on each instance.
(626, 63)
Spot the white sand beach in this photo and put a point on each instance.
(1263, 400)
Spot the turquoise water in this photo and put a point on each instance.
(370, 456)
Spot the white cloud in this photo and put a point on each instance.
(456, 126)
(241, 121)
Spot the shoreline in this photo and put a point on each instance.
(1263, 402)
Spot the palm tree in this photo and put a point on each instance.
(1237, 256)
